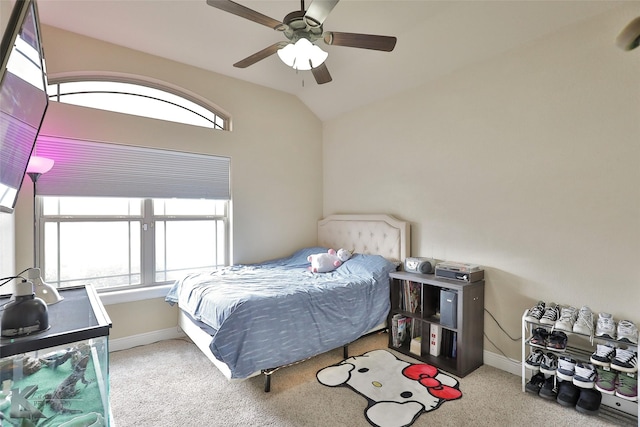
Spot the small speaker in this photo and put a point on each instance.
(448, 308)
(419, 265)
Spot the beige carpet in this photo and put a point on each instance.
(171, 383)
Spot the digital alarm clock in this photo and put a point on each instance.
(419, 265)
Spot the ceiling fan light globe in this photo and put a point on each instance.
(303, 55)
(317, 56)
(288, 54)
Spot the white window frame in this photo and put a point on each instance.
(110, 296)
(148, 288)
(220, 119)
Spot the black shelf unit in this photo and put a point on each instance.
(469, 320)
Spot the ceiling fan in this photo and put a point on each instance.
(304, 25)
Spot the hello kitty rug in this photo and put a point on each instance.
(397, 392)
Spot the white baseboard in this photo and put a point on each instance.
(144, 339)
(501, 362)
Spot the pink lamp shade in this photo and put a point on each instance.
(39, 165)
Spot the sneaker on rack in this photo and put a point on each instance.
(557, 341)
(585, 375)
(625, 360)
(549, 364)
(584, 322)
(551, 314)
(603, 355)
(535, 384)
(606, 380)
(567, 318)
(535, 313)
(539, 337)
(606, 326)
(566, 368)
(568, 394)
(589, 401)
(627, 387)
(549, 390)
(627, 332)
(534, 360)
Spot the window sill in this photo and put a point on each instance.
(131, 295)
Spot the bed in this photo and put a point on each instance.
(254, 319)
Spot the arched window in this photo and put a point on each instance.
(138, 97)
(148, 238)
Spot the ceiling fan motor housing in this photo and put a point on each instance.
(297, 26)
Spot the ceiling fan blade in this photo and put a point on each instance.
(362, 41)
(321, 74)
(258, 56)
(245, 12)
(319, 10)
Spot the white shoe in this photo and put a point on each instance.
(627, 332)
(567, 318)
(584, 323)
(606, 326)
(566, 368)
(603, 355)
(625, 361)
(585, 375)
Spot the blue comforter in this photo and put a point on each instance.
(278, 312)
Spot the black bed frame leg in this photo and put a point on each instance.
(267, 382)
(345, 351)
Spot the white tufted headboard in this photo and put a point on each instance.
(366, 234)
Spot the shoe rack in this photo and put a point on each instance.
(580, 347)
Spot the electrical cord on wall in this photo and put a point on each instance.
(503, 330)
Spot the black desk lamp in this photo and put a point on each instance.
(26, 315)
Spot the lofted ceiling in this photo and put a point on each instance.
(434, 39)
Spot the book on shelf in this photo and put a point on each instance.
(411, 296)
(416, 328)
(446, 342)
(454, 345)
(449, 344)
(399, 329)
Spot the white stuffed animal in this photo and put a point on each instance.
(328, 261)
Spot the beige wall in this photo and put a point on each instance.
(527, 164)
(276, 190)
(140, 317)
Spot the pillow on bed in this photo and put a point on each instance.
(360, 264)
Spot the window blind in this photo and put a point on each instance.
(98, 169)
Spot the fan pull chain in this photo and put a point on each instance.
(298, 72)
